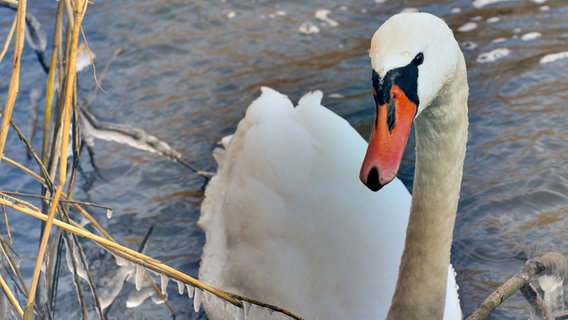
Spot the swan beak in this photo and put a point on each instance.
(389, 135)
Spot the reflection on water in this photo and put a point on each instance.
(188, 70)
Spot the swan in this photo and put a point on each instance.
(288, 222)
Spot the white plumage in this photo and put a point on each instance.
(288, 222)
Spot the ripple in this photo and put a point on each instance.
(482, 3)
(499, 40)
(531, 36)
(468, 26)
(308, 28)
(549, 58)
(493, 55)
(469, 45)
(493, 20)
(323, 15)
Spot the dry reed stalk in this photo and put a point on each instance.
(13, 3)
(139, 258)
(6, 249)
(122, 251)
(50, 86)
(57, 154)
(24, 169)
(56, 158)
(8, 40)
(15, 79)
(11, 297)
(136, 257)
(7, 225)
(67, 99)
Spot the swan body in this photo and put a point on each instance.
(288, 223)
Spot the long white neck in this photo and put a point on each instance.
(441, 136)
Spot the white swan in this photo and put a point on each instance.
(287, 222)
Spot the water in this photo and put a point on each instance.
(188, 70)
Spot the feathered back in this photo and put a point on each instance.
(288, 222)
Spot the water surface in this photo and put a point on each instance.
(189, 69)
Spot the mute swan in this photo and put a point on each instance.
(287, 222)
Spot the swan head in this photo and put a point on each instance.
(413, 57)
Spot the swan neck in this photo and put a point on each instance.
(441, 136)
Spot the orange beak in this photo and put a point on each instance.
(388, 139)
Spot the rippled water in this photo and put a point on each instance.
(189, 69)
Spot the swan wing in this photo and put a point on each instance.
(288, 222)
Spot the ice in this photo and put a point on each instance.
(120, 261)
(483, 3)
(230, 14)
(81, 268)
(493, 19)
(164, 283)
(76, 256)
(553, 292)
(136, 297)
(157, 299)
(181, 287)
(131, 272)
(109, 213)
(498, 40)
(83, 58)
(468, 26)
(83, 222)
(190, 290)
(336, 96)
(4, 307)
(530, 36)
(138, 277)
(322, 15)
(553, 57)
(456, 10)
(493, 55)
(468, 45)
(277, 13)
(111, 291)
(197, 299)
(308, 28)
(35, 36)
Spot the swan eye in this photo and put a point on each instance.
(418, 59)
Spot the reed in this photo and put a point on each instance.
(57, 175)
(57, 170)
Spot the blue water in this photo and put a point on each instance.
(187, 72)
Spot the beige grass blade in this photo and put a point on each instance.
(8, 40)
(128, 253)
(11, 297)
(67, 94)
(15, 79)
